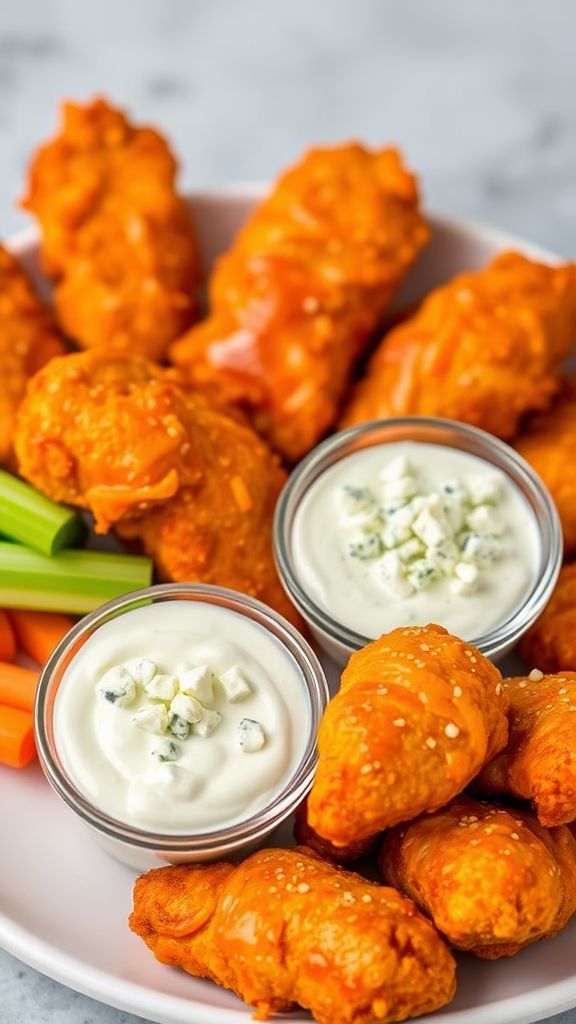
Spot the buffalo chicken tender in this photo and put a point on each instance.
(484, 349)
(28, 340)
(120, 437)
(549, 445)
(492, 879)
(418, 714)
(306, 836)
(539, 763)
(285, 927)
(116, 237)
(298, 296)
(551, 642)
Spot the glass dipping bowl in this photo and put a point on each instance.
(136, 846)
(333, 636)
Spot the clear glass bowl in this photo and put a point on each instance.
(337, 639)
(136, 846)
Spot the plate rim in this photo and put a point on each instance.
(131, 997)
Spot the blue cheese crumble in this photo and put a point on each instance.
(117, 686)
(250, 735)
(414, 539)
(178, 704)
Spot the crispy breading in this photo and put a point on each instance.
(418, 714)
(548, 443)
(116, 236)
(28, 340)
(492, 879)
(286, 927)
(298, 296)
(121, 437)
(539, 763)
(550, 644)
(484, 349)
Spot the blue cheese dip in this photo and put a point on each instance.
(181, 717)
(408, 533)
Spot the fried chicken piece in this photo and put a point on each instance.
(418, 714)
(539, 763)
(492, 880)
(116, 237)
(107, 432)
(296, 299)
(120, 437)
(28, 340)
(484, 348)
(305, 835)
(285, 927)
(551, 642)
(549, 445)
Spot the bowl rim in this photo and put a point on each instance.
(215, 841)
(504, 635)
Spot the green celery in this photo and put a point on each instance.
(27, 516)
(71, 581)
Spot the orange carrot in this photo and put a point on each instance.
(7, 639)
(17, 747)
(38, 633)
(17, 686)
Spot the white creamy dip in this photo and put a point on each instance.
(408, 533)
(181, 717)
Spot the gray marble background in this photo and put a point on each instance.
(481, 96)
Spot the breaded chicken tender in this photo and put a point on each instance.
(285, 927)
(418, 714)
(305, 835)
(298, 296)
(539, 763)
(116, 237)
(28, 340)
(549, 445)
(484, 349)
(551, 642)
(492, 879)
(120, 437)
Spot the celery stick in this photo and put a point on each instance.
(72, 581)
(27, 516)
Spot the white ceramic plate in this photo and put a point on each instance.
(64, 903)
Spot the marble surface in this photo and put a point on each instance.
(480, 96)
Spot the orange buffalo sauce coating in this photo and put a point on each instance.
(121, 437)
(539, 762)
(286, 927)
(551, 642)
(296, 299)
(491, 878)
(419, 712)
(484, 349)
(548, 443)
(305, 835)
(28, 340)
(116, 236)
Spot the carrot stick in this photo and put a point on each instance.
(38, 633)
(17, 747)
(17, 686)
(7, 639)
